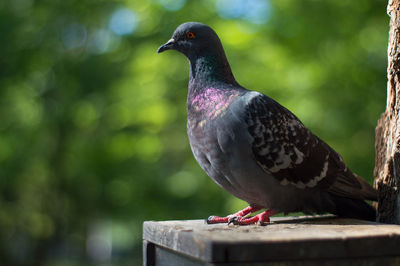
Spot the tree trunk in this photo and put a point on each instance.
(387, 166)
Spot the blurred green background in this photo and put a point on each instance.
(92, 121)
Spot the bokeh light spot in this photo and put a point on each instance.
(99, 242)
(254, 11)
(102, 41)
(172, 5)
(149, 148)
(123, 21)
(74, 36)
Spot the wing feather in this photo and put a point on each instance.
(292, 154)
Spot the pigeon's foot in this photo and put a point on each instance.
(259, 218)
(229, 218)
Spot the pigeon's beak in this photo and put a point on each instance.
(167, 46)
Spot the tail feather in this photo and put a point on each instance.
(353, 208)
(368, 192)
(350, 185)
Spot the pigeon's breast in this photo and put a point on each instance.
(212, 143)
(221, 145)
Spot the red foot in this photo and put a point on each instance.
(239, 218)
(244, 212)
(259, 218)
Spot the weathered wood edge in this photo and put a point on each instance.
(199, 247)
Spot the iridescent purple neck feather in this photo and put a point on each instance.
(211, 102)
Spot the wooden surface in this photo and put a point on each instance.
(285, 239)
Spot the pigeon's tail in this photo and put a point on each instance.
(353, 208)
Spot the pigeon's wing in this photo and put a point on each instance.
(288, 151)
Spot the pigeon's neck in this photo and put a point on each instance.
(212, 86)
(210, 102)
(210, 69)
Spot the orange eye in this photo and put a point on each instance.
(190, 35)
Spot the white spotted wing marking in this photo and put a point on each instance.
(284, 147)
(313, 182)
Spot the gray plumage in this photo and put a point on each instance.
(255, 148)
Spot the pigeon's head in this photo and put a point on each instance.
(201, 45)
(193, 40)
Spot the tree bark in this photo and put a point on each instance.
(387, 166)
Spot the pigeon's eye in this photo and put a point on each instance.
(190, 35)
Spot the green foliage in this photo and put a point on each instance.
(92, 123)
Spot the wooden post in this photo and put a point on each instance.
(387, 166)
(286, 241)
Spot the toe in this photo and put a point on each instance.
(216, 220)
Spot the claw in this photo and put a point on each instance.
(264, 223)
(233, 220)
(209, 219)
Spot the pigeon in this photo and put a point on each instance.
(255, 148)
